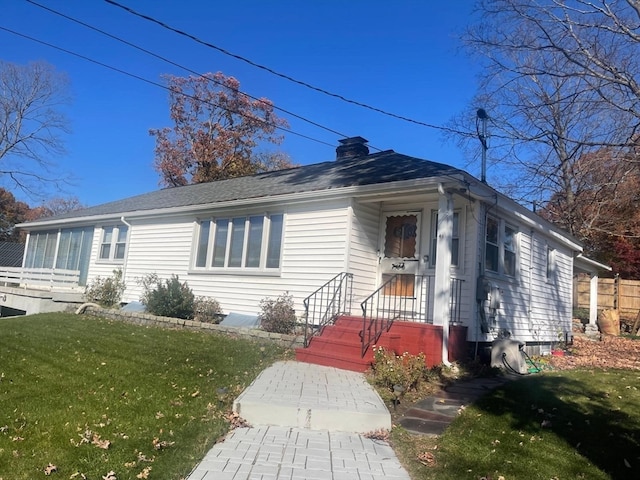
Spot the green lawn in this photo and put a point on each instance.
(580, 424)
(91, 396)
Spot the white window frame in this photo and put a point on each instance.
(502, 247)
(113, 244)
(433, 239)
(204, 256)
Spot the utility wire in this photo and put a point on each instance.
(282, 75)
(151, 82)
(175, 64)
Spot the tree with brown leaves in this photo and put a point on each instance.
(216, 132)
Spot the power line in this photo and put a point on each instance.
(151, 82)
(282, 75)
(175, 64)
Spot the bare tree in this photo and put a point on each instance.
(32, 124)
(558, 82)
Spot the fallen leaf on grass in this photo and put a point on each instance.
(144, 473)
(49, 469)
(161, 444)
(110, 476)
(100, 443)
(78, 474)
(427, 459)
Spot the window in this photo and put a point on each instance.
(69, 247)
(500, 247)
(114, 243)
(455, 240)
(41, 249)
(551, 264)
(252, 242)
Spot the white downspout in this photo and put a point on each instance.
(442, 300)
(126, 258)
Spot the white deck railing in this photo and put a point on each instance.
(40, 278)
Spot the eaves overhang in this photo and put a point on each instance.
(358, 191)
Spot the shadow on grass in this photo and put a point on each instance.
(597, 413)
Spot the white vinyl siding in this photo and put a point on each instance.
(313, 250)
(363, 258)
(312, 244)
(533, 309)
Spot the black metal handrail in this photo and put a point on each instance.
(324, 305)
(397, 301)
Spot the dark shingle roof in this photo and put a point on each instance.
(378, 168)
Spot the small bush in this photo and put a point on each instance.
(278, 316)
(582, 314)
(389, 370)
(107, 292)
(170, 299)
(207, 310)
(149, 283)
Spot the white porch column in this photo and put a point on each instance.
(593, 298)
(442, 300)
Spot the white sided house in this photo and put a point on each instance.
(385, 235)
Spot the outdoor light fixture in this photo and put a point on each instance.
(482, 117)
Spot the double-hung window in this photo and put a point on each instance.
(113, 243)
(455, 239)
(500, 247)
(242, 242)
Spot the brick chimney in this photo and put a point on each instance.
(352, 147)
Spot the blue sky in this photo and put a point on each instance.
(401, 56)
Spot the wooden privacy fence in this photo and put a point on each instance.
(617, 293)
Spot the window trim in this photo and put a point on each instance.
(503, 225)
(433, 239)
(198, 258)
(113, 243)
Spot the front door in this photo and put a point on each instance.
(401, 252)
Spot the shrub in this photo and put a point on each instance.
(207, 310)
(170, 299)
(389, 370)
(278, 316)
(149, 283)
(582, 314)
(107, 292)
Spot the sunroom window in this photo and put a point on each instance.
(243, 242)
(70, 247)
(114, 243)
